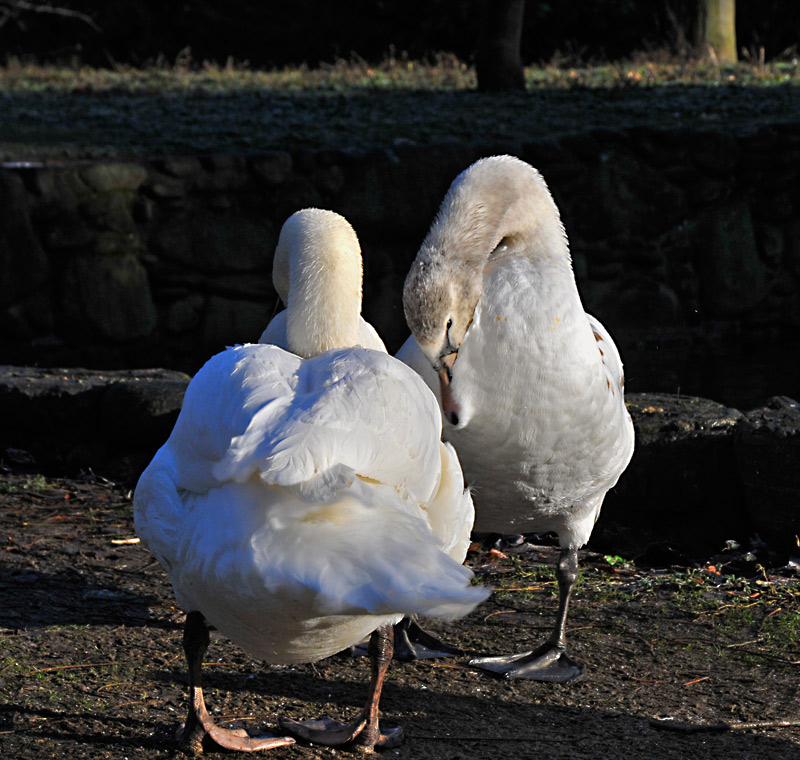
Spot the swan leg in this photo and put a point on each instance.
(549, 661)
(363, 732)
(412, 642)
(200, 733)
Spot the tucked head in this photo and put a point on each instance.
(499, 204)
(317, 272)
(496, 204)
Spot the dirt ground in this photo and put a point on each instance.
(679, 657)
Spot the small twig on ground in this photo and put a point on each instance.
(754, 725)
(743, 643)
(499, 612)
(435, 664)
(72, 667)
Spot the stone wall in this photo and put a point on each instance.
(162, 262)
(702, 473)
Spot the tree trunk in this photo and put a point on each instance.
(498, 62)
(717, 29)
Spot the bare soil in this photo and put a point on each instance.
(680, 658)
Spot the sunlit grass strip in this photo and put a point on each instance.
(444, 72)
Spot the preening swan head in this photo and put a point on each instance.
(498, 206)
(318, 274)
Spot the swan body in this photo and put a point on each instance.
(296, 513)
(531, 387)
(522, 429)
(304, 498)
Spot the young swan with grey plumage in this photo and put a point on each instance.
(531, 387)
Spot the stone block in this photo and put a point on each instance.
(185, 314)
(792, 247)
(700, 189)
(732, 278)
(329, 180)
(116, 243)
(23, 264)
(767, 445)
(273, 168)
(716, 153)
(552, 160)
(110, 211)
(223, 173)
(215, 242)
(63, 187)
(105, 178)
(28, 319)
(682, 487)
(774, 207)
(167, 188)
(80, 418)
(230, 321)
(623, 195)
(654, 303)
(398, 192)
(584, 145)
(770, 245)
(69, 234)
(181, 166)
(109, 296)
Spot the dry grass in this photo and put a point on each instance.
(442, 73)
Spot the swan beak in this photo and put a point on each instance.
(450, 407)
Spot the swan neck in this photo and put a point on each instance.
(324, 299)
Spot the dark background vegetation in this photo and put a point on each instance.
(293, 32)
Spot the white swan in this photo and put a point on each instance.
(531, 385)
(335, 236)
(300, 504)
(316, 235)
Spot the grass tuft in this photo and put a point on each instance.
(443, 72)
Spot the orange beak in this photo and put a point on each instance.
(450, 406)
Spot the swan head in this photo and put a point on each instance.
(439, 310)
(499, 206)
(319, 278)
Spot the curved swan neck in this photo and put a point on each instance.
(496, 198)
(325, 281)
(499, 206)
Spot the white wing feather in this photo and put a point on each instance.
(317, 488)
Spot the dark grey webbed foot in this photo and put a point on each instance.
(412, 642)
(548, 662)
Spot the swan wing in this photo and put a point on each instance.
(411, 355)
(612, 360)
(275, 333)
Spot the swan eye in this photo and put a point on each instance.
(501, 246)
(449, 324)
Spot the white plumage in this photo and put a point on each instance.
(299, 504)
(292, 505)
(531, 385)
(330, 315)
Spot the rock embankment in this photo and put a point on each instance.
(163, 261)
(702, 473)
